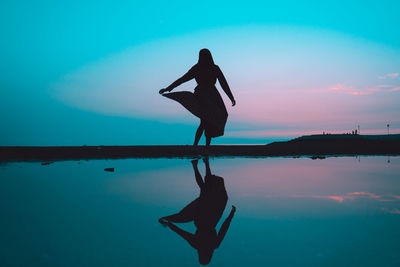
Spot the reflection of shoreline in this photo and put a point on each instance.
(315, 145)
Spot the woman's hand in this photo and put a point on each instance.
(162, 91)
(163, 221)
(233, 102)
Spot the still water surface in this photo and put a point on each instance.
(289, 211)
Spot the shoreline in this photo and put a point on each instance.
(314, 146)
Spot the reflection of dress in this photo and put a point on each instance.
(206, 102)
(207, 209)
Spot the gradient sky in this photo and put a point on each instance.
(83, 72)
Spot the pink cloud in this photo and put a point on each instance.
(392, 211)
(288, 133)
(339, 199)
(389, 75)
(336, 88)
(359, 93)
(371, 195)
(350, 90)
(348, 196)
(264, 133)
(365, 194)
(374, 89)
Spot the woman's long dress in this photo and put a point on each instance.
(206, 210)
(206, 102)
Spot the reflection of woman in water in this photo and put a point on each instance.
(205, 211)
(206, 103)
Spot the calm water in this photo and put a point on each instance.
(336, 211)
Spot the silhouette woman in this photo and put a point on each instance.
(205, 211)
(206, 103)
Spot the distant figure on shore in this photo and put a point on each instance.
(205, 103)
(205, 211)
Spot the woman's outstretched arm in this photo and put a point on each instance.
(225, 226)
(186, 77)
(225, 86)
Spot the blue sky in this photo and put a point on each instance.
(44, 42)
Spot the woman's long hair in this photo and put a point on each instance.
(205, 58)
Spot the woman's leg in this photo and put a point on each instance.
(207, 163)
(199, 132)
(208, 141)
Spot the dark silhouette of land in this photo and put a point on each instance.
(205, 212)
(312, 145)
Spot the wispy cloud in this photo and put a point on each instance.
(359, 92)
(371, 195)
(339, 199)
(351, 90)
(339, 87)
(371, 90)
(336, 88)
(349, 196)
(264, 133)
(389, 75)
(291, 134)
(392, 211)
